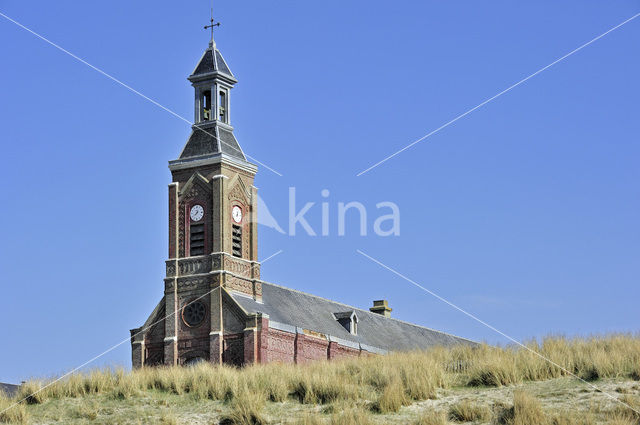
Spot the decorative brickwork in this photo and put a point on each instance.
(313, 348)
(339, 351)
(281, 346)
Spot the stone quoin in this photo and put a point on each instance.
(215, 307)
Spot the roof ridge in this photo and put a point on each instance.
(369, 312)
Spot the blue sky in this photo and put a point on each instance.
(524, 213)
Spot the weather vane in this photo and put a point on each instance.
(211, 25)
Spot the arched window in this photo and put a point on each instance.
(194, 361)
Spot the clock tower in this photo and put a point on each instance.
(212, 232)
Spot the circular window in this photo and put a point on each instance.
(193, 313)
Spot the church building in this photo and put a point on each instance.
(216, 307)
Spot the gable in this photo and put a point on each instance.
(233, 315)
(238, 191)
(197, 186)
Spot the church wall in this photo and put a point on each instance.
(154, 341)
(311, 348)
(233, 349)
(280, 346)
(340, 351)
(193, 341)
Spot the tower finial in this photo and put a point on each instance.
(212, 24)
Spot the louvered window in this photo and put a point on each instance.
(196, 239)
(236, 240)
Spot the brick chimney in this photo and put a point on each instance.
(381, 307)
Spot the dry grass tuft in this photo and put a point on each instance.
(392, 398)
(352, 417)
(431, 418)
(14, 415)
(526, 410)
(87, 411)
(465, 411)
(32, 392)
(168, 418)
(629, 412)
(246, 409)
(620, 420)
(572, 418)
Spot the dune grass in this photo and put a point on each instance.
(375, 385)
(466, 411)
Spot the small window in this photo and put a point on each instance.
(206, 105)
(196, 239)
(236, 241)
(222, 106)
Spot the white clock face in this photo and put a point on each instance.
(236, 214)
(197, 212)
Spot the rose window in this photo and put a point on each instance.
(193, 313)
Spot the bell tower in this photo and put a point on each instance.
(212, 222)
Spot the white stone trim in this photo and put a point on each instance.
(180, 164)
(370, 349)
(344, 342)
(282, 327)
(171, 338)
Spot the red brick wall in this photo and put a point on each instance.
(312, 349)
(340, 351)
(268, 345)
(280, 347)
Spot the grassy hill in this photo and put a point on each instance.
(481, 385)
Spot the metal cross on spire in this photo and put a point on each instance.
(211, 25)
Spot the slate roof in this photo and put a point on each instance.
(212, 61)
(9, 389)
(310, 312)
(207, 139)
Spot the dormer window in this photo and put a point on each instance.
(222, 106)
(348, 320)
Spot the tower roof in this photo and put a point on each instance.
(210, 63)
(212, 138)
